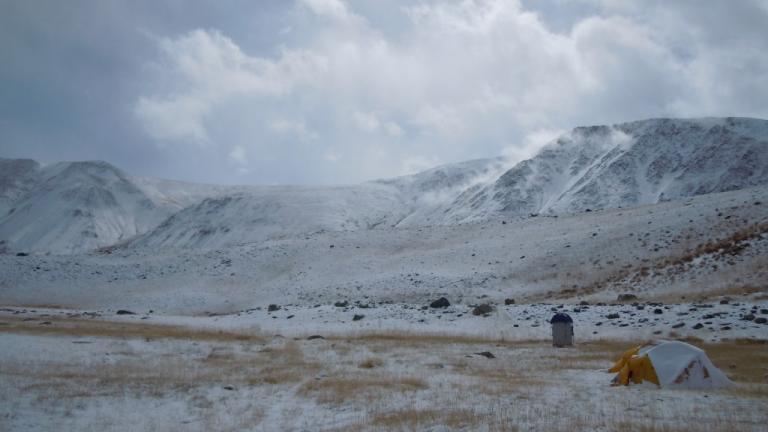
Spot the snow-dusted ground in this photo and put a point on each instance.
(200, 266)
(71, 372)
(705, 246)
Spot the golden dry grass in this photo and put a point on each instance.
(454, 388)
(370, 363)
(123, 330)
(341, 389)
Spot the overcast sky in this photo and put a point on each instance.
(340, 91)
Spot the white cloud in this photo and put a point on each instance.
(531, 143)
(297, 129)
(209, 69)
(237, 154)
(458, 80)
(329, 8)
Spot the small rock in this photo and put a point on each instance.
(584, 303)
(509, 301)
(341, 303)
(748, 317)
(658, 311)
(698, 326)
(357, 317)
(612, 316)
(626, 297)
(482, 309)
(678, 325)
(486, 354)
(230, 388)
(22, 254)
(125, 312)
(442, 302)
(273, 307)
(761, 320)
(313, 337)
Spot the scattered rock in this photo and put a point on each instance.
(626, 297)
(486, 354)
(442, 302)
(357, 317)
(482, 309)
(509, 301)
(125, 312)
(273, 308)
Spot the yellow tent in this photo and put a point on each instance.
(632, 366)
(668, 364)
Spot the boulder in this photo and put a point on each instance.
(442, 302)
(482, 309)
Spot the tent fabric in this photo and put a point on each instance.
(668, 364)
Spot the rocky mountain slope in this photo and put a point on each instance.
(78, 206)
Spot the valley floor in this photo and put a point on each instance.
(94, 370)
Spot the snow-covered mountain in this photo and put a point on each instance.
(77, 206)
(629, 164)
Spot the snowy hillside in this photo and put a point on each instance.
(629, 164)
(75, 206)
(78, 206)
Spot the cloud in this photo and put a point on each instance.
(456, 80)
(329, 8)
(207, 69)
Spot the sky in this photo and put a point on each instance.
(343, 91)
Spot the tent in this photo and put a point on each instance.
(668, 364)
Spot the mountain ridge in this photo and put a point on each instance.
(77, 206)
